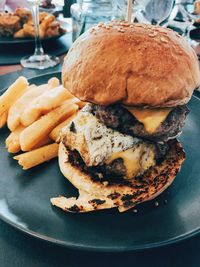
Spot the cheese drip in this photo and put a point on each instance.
(151, 118)
(94, 141)
(136, 160)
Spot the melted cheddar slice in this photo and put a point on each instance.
(136, 160)
(151, 118)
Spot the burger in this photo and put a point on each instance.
(121, 148)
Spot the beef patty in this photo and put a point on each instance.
(119, 118)
(116, 170)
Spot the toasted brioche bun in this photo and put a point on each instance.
(134, 64)
(96, 195)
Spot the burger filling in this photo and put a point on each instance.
(157, 125)
(106, 151)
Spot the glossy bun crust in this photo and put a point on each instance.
(134, 64)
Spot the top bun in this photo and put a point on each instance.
(134, 64)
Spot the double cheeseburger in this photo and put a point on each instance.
(121, 148)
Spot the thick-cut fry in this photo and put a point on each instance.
(12, 94)
(71, 101)
(37, 156)
(43, 104)
(41, 128)
(12, 141)
(81, 104)
(54, 82)
(3, 119)
(20, 105)
(13, 120)
(56, 131)
(46, 141)
(70, 94)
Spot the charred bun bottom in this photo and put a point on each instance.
(97, 195)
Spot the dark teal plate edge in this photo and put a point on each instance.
(169, 242)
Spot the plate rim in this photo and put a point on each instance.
(70, 245)
(83, 247)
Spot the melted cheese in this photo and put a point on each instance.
(151, 118)
(136, 160)
(93, 140)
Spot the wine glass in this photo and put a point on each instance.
(157, 12)
(190, 15)
(39, 60)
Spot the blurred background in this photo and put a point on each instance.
(51, 26)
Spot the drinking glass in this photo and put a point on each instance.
(87, 13)
(157, 12)
(39, 60)
(187, 8)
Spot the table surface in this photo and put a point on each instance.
(18, 249)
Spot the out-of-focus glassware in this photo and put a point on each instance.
(87, 13)
(122, 9)
(190, 10)
(157, 12)
(39, 60)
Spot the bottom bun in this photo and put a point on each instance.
(97, 195)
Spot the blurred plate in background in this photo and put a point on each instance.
(11, 40)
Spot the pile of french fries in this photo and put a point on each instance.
(35, 115)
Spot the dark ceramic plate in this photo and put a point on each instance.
(11, 40)
(195, 34)
(24, 203)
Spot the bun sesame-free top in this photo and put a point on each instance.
(133, 64)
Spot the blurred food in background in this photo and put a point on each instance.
(19, 24)
(47, 4)
(196, 7)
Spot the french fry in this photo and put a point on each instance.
(20, 105)
(3, 119)
(70, 94)
(33, 158)
(81, 104)
(46, 141)
(43, 104)
(13, 120)
(53, 82)
(41, 128)
(12, 94)
(56, 131)
(71, 101)
(12, 141)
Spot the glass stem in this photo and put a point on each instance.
(38, 46)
